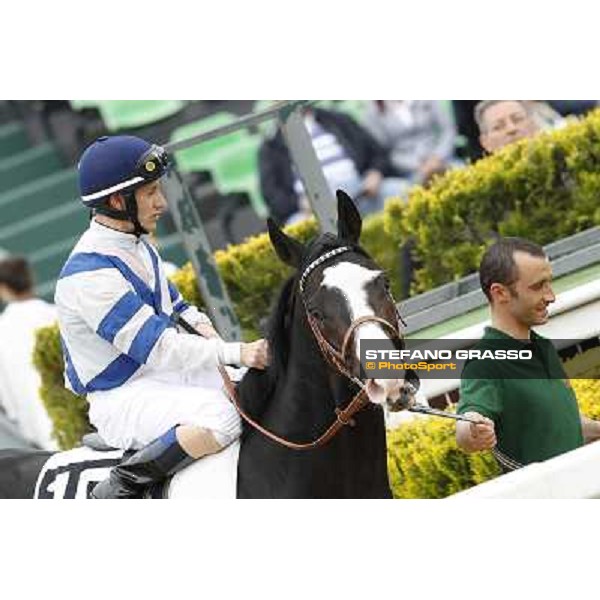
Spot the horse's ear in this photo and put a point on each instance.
(288, 249)
(349, 219)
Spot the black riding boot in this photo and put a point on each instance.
(150, 465)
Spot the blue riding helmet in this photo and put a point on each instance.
(119, 164)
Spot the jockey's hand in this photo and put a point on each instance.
(255, 354)
(206, 330)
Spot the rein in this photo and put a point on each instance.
(343, 416)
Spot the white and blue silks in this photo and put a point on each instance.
(140, 374)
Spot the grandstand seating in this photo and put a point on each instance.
(353, 108)
(42, 194)
(231, 159)
(237, 171)
(41, 214)
(13, 139)
(123, 114)
(83, 104)
(38, 215)
(28, 165)
(202, 157)
(6, 112)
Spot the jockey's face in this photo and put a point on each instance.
(151, 204)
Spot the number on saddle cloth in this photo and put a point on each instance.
(74, 473)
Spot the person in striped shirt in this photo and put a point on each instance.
(151, 387)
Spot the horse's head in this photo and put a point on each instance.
(346, 297)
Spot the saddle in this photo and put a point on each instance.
(95, 442)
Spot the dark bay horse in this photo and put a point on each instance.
(336, 297)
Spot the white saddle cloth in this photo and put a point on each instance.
(211, 477)
(72, 474)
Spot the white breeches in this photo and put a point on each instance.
(141, 410)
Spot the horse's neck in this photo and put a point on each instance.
(305, 395)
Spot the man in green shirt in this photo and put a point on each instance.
(526, 409)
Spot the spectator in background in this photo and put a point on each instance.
(502, 122)
(419, 136)
(544, 116)
(351, 160)
(19, 380)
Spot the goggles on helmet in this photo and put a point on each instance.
(152, 164)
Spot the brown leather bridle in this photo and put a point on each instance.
(335, 358)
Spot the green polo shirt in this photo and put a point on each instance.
(531, 402)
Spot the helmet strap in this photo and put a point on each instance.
(104, 209)
(131, 208)
(129, 214)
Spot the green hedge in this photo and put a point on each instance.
(425, 462)
(252, 272)
(542, 189)
(67, 411)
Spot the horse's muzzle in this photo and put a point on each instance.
(395, 392)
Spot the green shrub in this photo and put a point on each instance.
(583, 365)
(67, 411)
(425, 462)
(252, 272)
(543, 189)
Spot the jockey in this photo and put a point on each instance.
(141, 375)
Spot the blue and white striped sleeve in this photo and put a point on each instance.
(119, 315)
(190, 313)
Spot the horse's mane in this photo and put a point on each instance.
(257, 387)
(278, 329)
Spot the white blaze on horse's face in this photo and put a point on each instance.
(352, 280)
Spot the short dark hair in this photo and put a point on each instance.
(16, 274)
(498, 263)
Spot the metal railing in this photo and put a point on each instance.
(190, 227)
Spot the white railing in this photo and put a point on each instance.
(575, 474)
